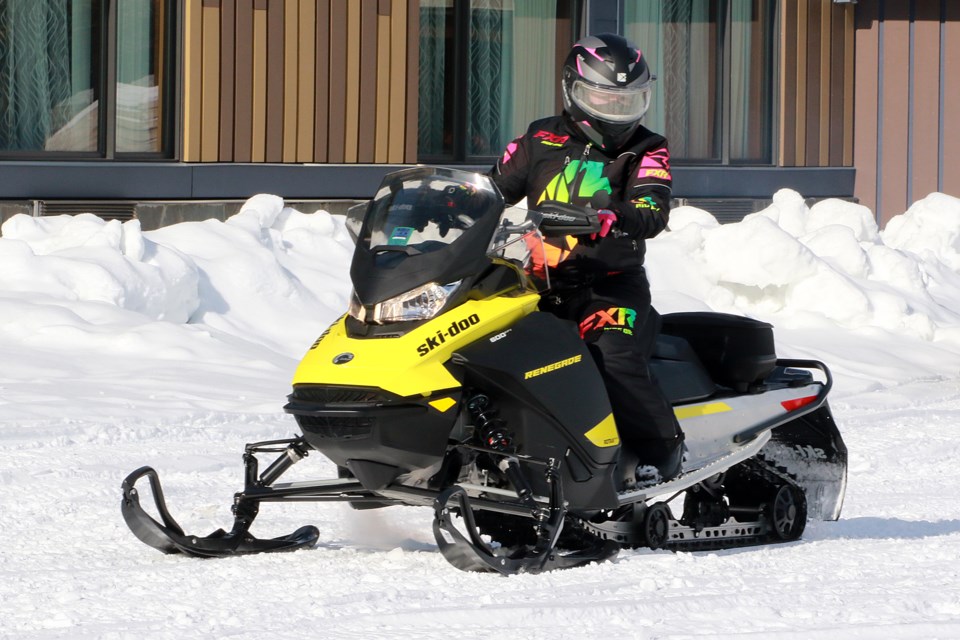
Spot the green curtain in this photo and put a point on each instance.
(138, 93)
(534, 76)
(490, 76)
(674, 36)
(740, 53)
(432, 113)
(47, 95)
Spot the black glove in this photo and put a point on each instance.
(645, 217)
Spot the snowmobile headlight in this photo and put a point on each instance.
(422, 303)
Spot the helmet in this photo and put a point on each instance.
(606, 86)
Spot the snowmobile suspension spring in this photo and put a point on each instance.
(294, 453)
(490, 426)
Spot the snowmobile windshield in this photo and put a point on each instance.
(414, 215)
(424, 225)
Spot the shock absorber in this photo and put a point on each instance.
(490, 427)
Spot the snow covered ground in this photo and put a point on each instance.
(175, 347)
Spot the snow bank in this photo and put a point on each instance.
(174, 347)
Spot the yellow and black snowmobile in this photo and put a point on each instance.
(445, 386)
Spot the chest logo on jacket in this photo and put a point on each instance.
(551, 139)
(590, 180)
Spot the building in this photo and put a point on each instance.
(170, 109)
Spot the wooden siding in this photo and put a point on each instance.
(816, 84)
(282, 81)
(907, 90)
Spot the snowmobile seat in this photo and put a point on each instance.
(679, 372)
(737, 352)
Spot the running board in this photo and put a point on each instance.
(695, 476)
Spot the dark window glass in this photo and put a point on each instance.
(59, 91)
(141, 75)
(487, 69)
(714, 64)
(49, 75)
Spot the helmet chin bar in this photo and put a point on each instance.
(605, 135)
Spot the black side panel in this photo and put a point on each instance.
(543, 382)
(542, 360)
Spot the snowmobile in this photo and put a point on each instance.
(445, 386)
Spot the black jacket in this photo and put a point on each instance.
(553, 161)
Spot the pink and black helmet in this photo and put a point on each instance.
(606, 86)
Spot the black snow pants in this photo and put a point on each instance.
(619, 325)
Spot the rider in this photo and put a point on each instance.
(598, 145)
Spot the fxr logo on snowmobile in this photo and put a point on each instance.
(455, 328)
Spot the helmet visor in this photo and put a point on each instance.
(610, 104)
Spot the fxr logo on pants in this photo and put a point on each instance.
(612, 319)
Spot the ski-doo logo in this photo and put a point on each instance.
(323, 335)
(552, 367)
(559, 217)
(455, 328)
(810, 452)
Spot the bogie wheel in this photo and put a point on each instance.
(788, 512)
(656, 525)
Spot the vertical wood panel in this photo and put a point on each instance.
(893, 124)
(834, 103)
(835, 100)
(866, 98)
(352, 121)
(950, 162)
(259, 85)
(291, 78)
(399, 46)
(368, 81)
(321, 142)
(802, 88)
(788, 84)
(826, 82)
(243, 83)
(383, 87)
(228, 32)
(193, 66)
(849, 77)
(306, 87)
(811, 141)
(274, 113)
(926, 99)
(412, 75)
(210, 79)
(337, 56)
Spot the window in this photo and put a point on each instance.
(79, 80)
(487, 69)
(714, 62)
